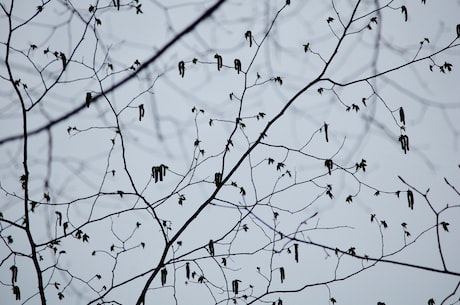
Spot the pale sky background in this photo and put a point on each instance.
(167, 132)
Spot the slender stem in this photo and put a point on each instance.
(25, 177)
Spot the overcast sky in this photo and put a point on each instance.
(85, 162)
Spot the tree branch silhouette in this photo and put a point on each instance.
(285, 136)
(120, 83)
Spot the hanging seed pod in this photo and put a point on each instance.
(181, 67)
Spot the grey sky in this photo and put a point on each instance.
(87, 168)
